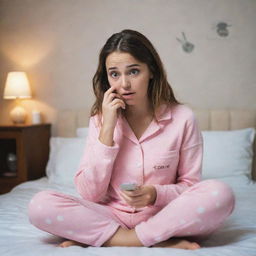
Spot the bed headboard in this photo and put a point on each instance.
(69, 120)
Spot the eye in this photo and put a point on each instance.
(113, 74)
(134, 71)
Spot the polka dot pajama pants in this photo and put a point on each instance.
(198, 211)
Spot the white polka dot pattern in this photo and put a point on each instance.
(60, 218)
(215, 193)
(217, 204)
(48, 221)
(159, 238)
(182, 221)
(200, 210)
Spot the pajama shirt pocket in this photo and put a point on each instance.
(164, 166)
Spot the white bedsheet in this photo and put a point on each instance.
(237, 237)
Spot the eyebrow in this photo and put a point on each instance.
(129, 66)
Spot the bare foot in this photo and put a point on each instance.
(178, 243)
(68, 243)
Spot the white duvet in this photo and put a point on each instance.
(237, 237)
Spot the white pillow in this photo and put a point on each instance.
(64, 159)
(228, 153)
(82, 132)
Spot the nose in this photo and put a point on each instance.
(125, 82)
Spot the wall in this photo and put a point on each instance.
(57, 43)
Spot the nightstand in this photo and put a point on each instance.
(24, 152)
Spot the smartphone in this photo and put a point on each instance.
(129, 186)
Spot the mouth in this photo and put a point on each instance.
(128, 93)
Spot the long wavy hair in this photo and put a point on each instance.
(136, 44)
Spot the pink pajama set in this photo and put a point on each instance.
(168, 156)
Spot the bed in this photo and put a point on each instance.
(229, 146)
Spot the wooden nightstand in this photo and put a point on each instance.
(30, 145)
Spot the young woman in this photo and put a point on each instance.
(139, 178)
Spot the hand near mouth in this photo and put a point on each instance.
(112, 102)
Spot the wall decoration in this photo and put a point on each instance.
(186, 46)
(222, 29)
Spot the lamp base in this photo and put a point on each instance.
(18, 115)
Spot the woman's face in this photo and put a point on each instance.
(129, 77)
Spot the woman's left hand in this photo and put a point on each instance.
(141, 197)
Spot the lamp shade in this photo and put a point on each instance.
(17, 86)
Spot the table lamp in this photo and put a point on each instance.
(17, 87)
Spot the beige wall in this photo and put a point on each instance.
(57, 43)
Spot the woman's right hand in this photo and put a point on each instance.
(110, 105)
(110, 108)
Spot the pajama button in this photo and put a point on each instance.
(139, 165)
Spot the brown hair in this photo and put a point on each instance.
(136, 44)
